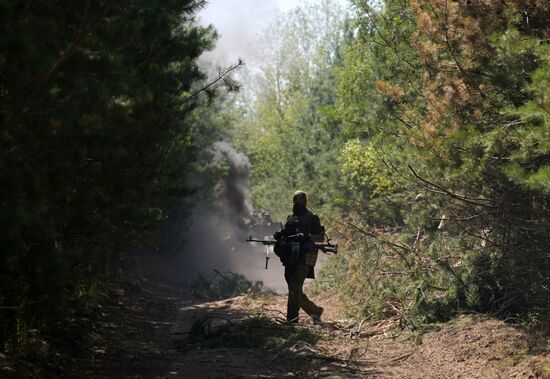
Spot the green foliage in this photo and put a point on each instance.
(98, 139)
(436, 121)
(537, 327)
(453, 99)
(364, 170)
(530, 145)
(380, 72)
(289, 130)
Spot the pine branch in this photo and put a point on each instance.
(392, 245)
(222, 74)
(35, 82)
(442, 190)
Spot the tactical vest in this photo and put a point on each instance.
(301, 223)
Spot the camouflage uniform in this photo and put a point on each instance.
(301, 267)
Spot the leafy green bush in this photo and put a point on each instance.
(452, 100)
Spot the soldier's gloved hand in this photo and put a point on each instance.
(277, 236)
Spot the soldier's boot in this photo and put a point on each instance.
(316, 317)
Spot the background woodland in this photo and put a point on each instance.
(420, 128)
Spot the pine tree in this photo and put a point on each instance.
(96, 141)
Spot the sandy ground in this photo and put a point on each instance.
(149, 330)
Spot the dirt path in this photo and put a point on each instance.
(149, 330)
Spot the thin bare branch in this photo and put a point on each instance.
(442, 190)
(221, 75)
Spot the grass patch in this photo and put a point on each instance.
(537, 329)
(512, 360)
(257, 332)
(224, 285)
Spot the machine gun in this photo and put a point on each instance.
(293, 241)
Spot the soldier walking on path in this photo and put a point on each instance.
(302, 226)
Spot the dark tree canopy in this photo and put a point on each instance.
(96, 139)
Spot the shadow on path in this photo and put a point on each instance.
(146, 329)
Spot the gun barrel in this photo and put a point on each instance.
(265, 242)
(327, 248)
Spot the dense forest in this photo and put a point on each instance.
(103, 115)
(420, 129)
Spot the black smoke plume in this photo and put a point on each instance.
(215, 235)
